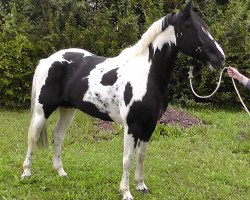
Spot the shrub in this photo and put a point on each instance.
(31, 30)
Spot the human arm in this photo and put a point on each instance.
(234, 73)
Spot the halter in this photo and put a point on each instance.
(199, 49)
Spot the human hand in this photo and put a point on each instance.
(232, 72)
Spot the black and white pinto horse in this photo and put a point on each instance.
(130, 88)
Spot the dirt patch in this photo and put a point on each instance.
(103, 125)
(172, 116)
(177, 117)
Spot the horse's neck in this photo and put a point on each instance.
(162, 54)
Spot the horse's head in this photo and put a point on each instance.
(194, 39)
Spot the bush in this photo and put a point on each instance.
(31, 30)
(16, 67)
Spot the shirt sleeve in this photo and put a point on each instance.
(248, 84)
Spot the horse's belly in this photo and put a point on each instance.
(102, 105)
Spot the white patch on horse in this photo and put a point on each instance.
(216, 44)
(105, 98)
(110, 99)
(167, 36)
(220, 49)
(142, 45)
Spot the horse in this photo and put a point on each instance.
(131, 88)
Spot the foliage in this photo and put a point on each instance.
(203, 162)
(31, 30)
(16, 60)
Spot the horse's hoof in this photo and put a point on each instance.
(144, 190)
(127, 196)
(62, 173)
(65, 176)
(25, 176)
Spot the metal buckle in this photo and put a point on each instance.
(198, 50)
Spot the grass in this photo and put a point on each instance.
(203, 162)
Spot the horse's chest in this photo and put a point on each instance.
(113, 88)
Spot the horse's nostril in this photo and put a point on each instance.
(222, 58)
(223, 62)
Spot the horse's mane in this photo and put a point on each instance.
(156, 28)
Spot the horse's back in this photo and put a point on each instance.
(65, 55)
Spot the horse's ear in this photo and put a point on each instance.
(190, 5)
(185, 12)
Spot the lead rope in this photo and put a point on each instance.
(240, 97)
(190, 76)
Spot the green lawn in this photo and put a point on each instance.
(211, 161)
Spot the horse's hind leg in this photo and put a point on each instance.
(140, 156)
(65, 118)
(36, 127)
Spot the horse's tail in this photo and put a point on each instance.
(33, 93)
(42, 141)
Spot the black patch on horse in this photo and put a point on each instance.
(166, 21)
(142, 119)
(110, 77)
(128, 93)
(143, 115)
(151, 52)
(67, 82)
(75, 57)
(51, 92)
(164, 57)
(92, 110)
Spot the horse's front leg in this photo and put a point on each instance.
(128, 152)
(140, 156)
(144, 135)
